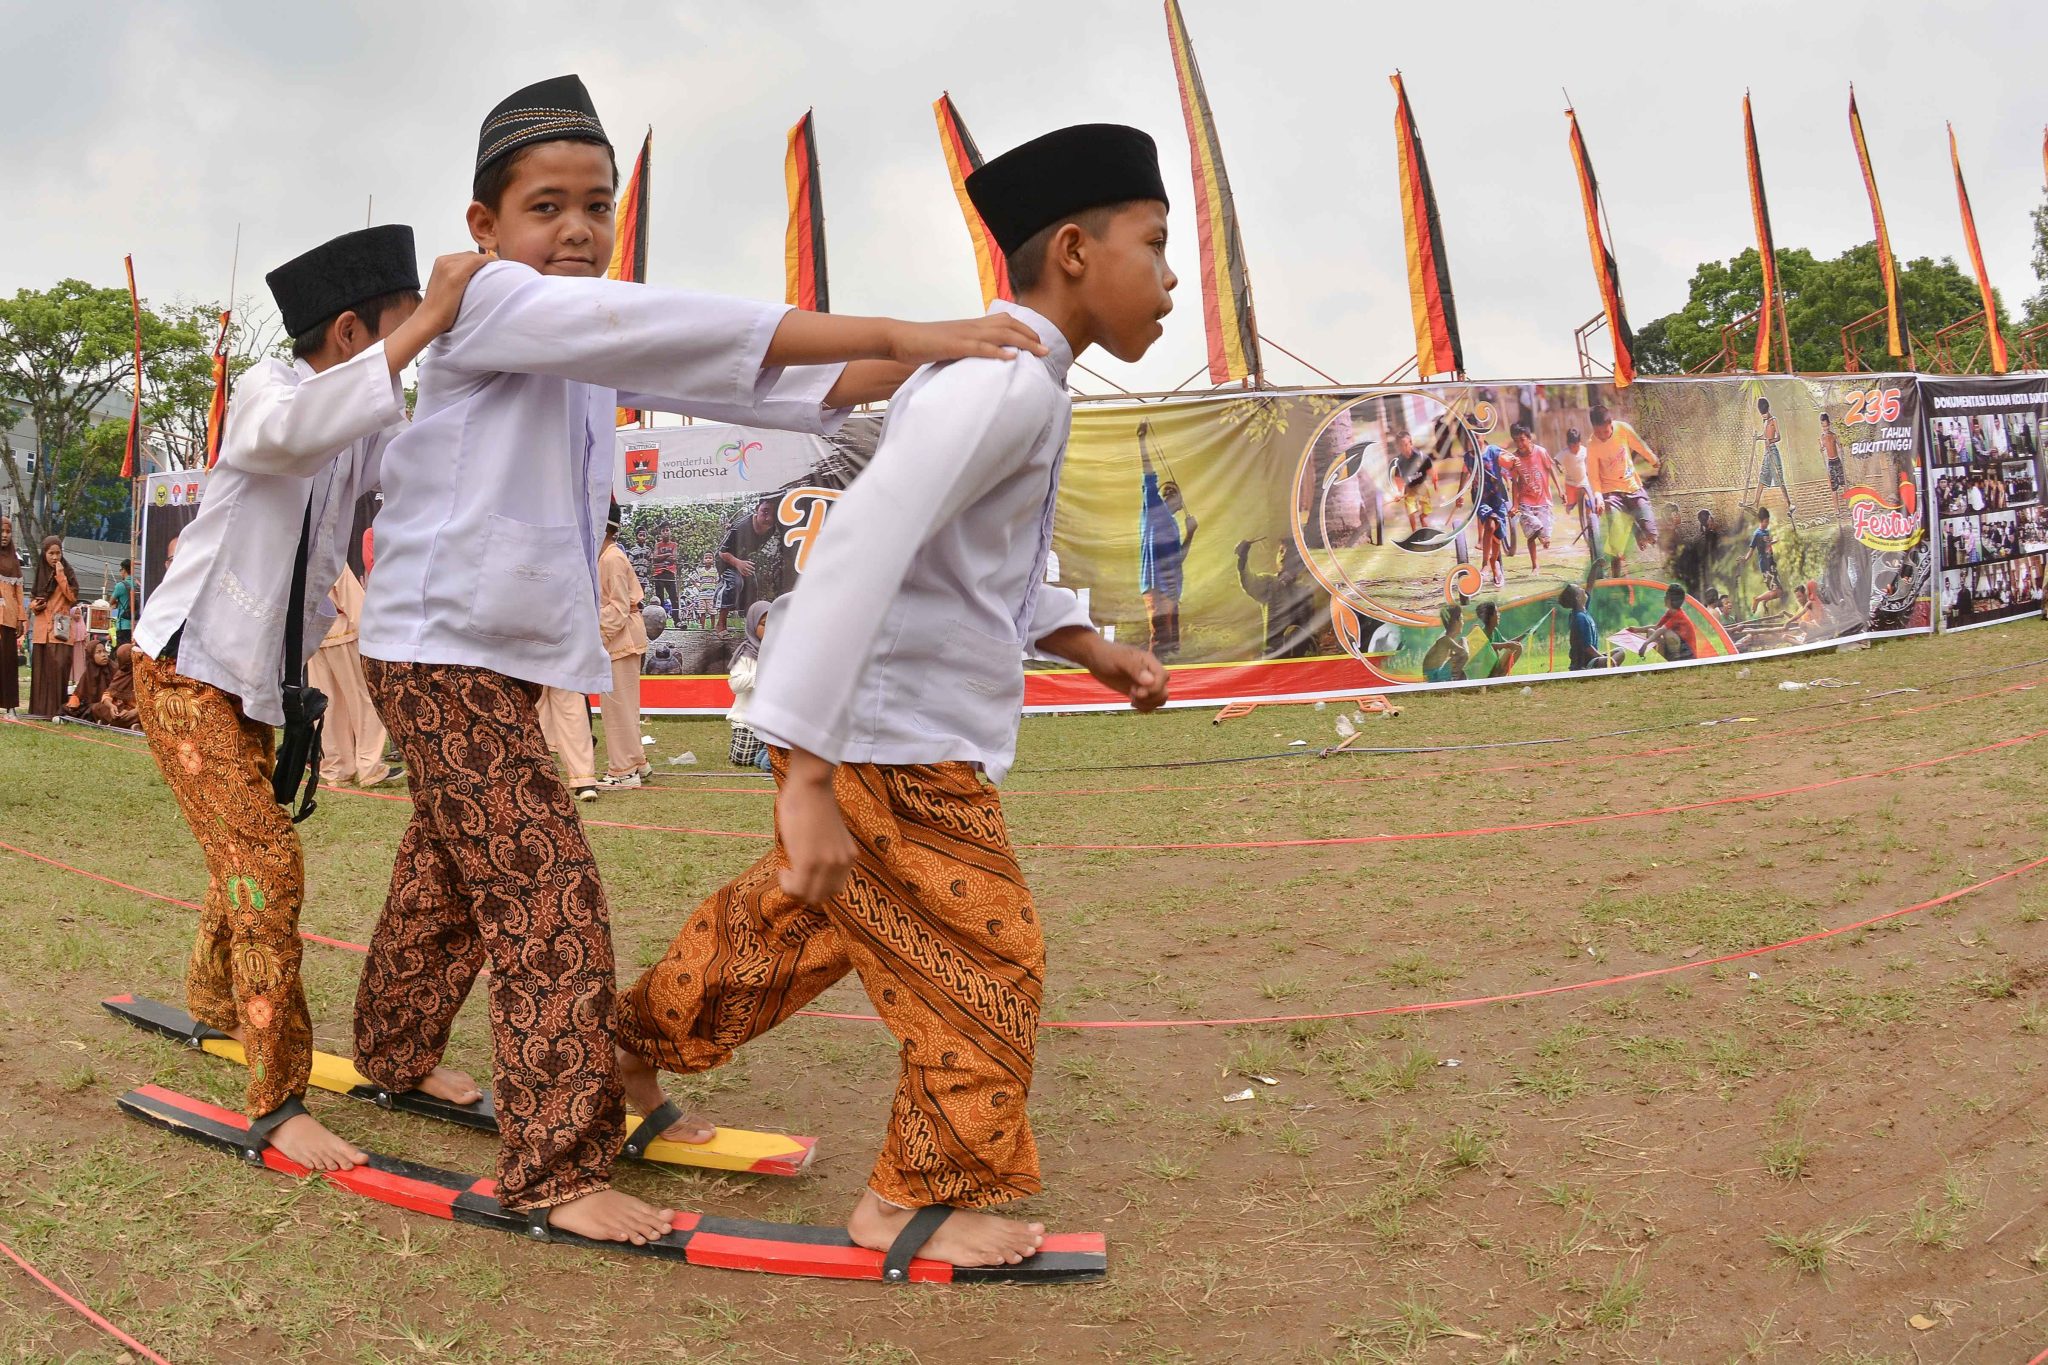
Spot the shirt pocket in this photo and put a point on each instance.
(973, 687)
(523, 589)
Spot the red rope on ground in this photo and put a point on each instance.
(1568, 823)
(1422, 1007)
(1434, 1006)
(79, 1307)
(2037, 1360)
(1351, 840)
(160, 896)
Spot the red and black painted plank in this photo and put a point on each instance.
(697, 1239)
(731, 1149)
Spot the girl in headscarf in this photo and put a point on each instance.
(51, 601)
(13, 615)
(116, 705)
(92, 683)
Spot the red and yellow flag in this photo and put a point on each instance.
(1226, 286)
(217, 410)
(130, 461)
(1438, 349)
(1766, 247)
(1991, 333)
(803, 246)
(962, 159)
(1887, 264)
(1603, 260)
(629, 242)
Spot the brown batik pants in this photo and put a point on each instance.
(495, 866)
(244, 971)
(936, 920)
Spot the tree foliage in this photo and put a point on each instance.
(64, 352)
(1821, 298)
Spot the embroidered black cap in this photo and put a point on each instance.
(553, 110)
(1060, 174)
(336, 276)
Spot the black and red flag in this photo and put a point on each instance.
(1438, 349)
(1608, 277)
(217, 410)
(629, 240)
(1991, 332)
(963, 158)
(131, 460)
(1227, 317)
(803, 247)
(1766, 248)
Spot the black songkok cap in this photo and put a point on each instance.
(1031, 187)
(336, 276)
(554, 110)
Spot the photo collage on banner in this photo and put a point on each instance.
(1299, 544)
(1984, 473)
(170, 501)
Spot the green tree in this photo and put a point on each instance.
(2037, 306)
(63, 352)
(1821, 298)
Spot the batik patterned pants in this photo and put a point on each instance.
(936, 920)
(494, 866)
(244, 971)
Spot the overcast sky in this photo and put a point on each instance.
(156, 128)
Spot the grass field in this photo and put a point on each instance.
(1792, 1157)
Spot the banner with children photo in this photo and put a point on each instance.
(1297, 544)
(1984, 469)
(1451, 533)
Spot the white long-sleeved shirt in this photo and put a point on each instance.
(294, 439)
(905, 640)
(495, 497)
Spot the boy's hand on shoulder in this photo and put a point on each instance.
(999, 336)
(446, 284)
(813, 834)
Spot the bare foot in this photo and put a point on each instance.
(302, 1138)
(609, 1216)
(446, 1083)
(966, 1238)
(643, 1092)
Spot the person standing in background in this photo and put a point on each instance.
(661, 566)
(55, 593)
(352, 739)
(13, 615)
(565, 721)
(619, 599)
(124, 605)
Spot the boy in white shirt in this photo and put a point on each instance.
(889, 686)
(304, 440)
(486, 590)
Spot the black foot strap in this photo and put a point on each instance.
(910, 1241)
(261, 1129)
(202, 1033)
(652, 1127)
(537, 1223)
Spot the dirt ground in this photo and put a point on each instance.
(1829, 1153)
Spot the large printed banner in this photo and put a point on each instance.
(1984, 470)
(1282, 545)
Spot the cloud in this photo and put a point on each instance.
(158, 129)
